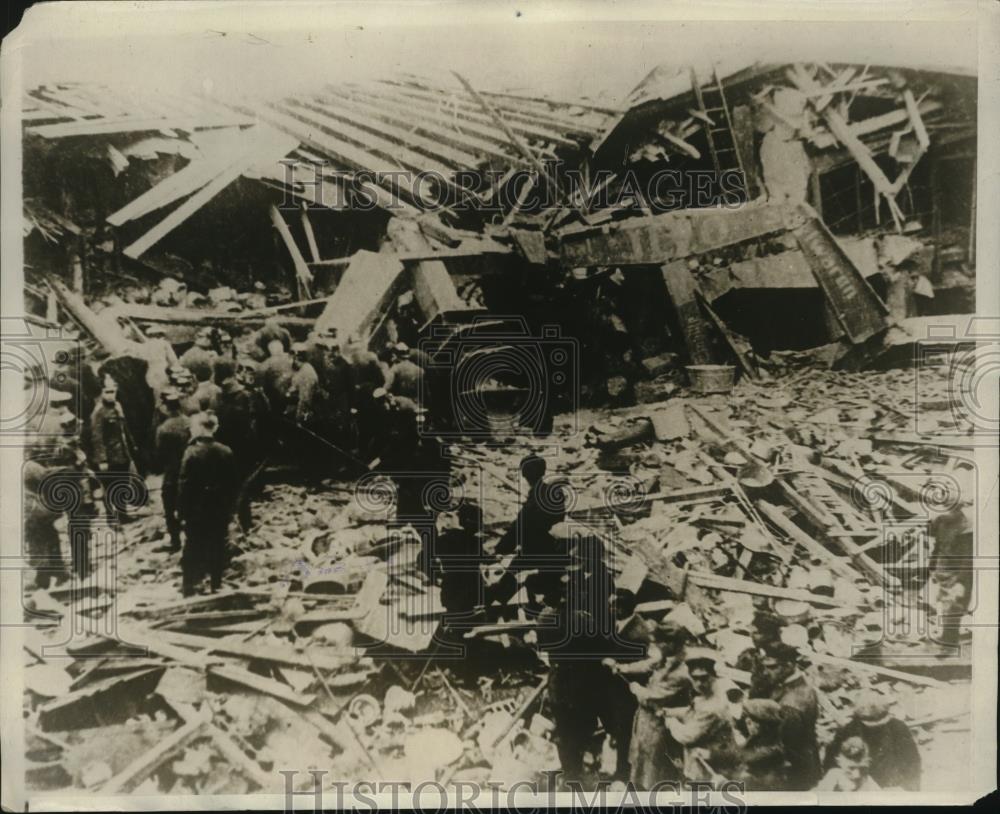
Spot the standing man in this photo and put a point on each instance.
(172, 438)
(113, 451)
(786, 684)
(705, 729)
(206, 495)
(303, 392)
(406, 377)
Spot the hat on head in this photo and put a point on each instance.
(204, 424)
(763, 710)
(67, 420)
(670, 631)
(781, 652)
(170, 396)
(701, 657)
(871, 709)
(855, 750)
(59, 396)
(300, 347)
(155, 330)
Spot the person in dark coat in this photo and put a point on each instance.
(40, 535)
(579, 682)
(367, 376)
(237, 431)
(113, 452)
(172, 438)
(787, 685)
(951, 571)
(82, 510)
(763, 766)
(895, 759)
(206, 496)
(406, 377)
(766, 631)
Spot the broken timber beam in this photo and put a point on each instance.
(683, 292)
(433, 288)
(303, 276)
(147, 762)
(106, 331)
(718, 583)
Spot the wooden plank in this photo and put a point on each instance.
(433, 288)
(498, 120)
(271, 149)
(683, 292)
(718, 583)
(467, 110)
(106, 332)
(310, 235)
(797, 535)
(403, 136)
(657, 239)
(128, 124)
(858, 309)
(438, 115)
(348, 155)
(303, 276)
(267, 686)
(468, 248)
(400, 154)
(871, 667)
(239, 759)
(416, 120)
(147, 762)
(182, 183)
(365, 288)
(249, 650)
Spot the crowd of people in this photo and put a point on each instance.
(656, 687)
(218, 415)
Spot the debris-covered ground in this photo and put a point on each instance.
(322, 649)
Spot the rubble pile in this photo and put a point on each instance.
(715, 508)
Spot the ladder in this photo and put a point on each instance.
(711, 101)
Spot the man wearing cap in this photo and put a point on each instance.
(367, 376)
(56, 411)
(405, 376)
(199, 358)
(895, 759)
(206, 494)
(705, 728)
(763, 766)
(785, 683)
(113, 451)
(653, 750)
(172, 438)
(765, 632)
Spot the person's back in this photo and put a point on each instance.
(172, 437)
(208, 482)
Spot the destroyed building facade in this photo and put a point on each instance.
(693, 307)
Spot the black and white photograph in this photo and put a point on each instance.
(463, 404)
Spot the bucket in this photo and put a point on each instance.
(712, 378)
